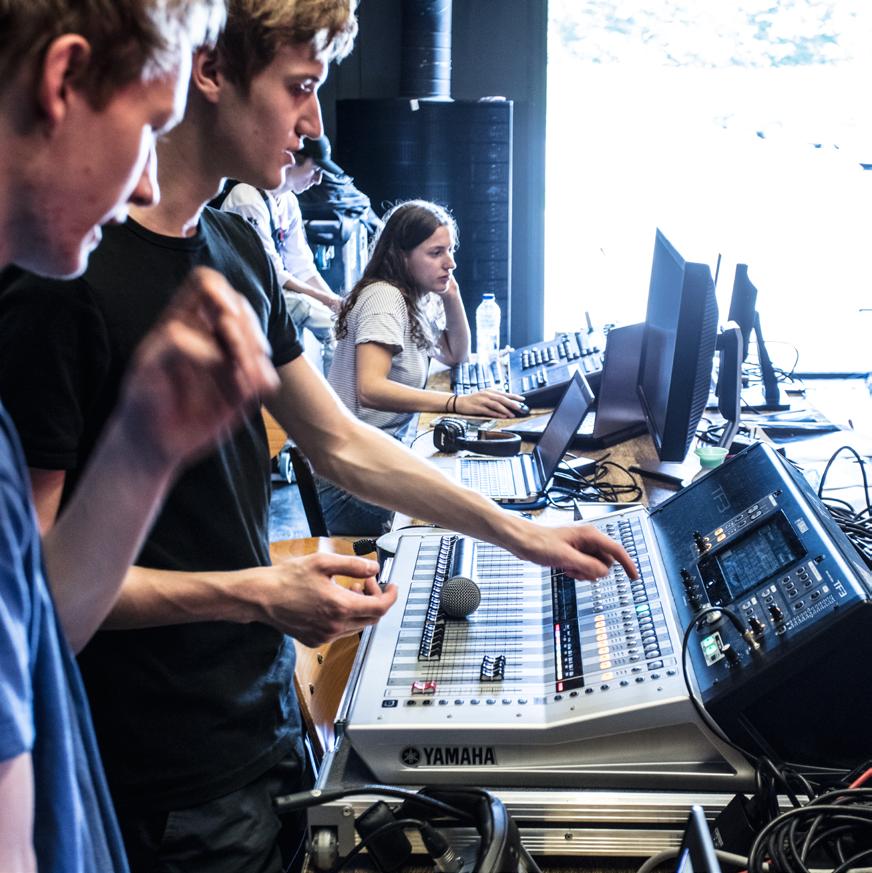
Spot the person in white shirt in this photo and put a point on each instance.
(275, 215)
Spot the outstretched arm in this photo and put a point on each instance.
(202, 367)
(378, 469)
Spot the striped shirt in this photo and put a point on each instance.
(380, 316)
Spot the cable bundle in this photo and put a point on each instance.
(833, 831)
(598, 487)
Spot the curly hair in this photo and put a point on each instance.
(130, 39)
(406, 226)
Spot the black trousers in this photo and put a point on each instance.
(237, 833)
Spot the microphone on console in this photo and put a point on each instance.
(460, 597)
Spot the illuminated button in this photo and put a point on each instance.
(721, 537)
(607, 677)
(602, 651)
(719, 530)
(605, 665)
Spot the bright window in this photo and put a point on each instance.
(739, 129)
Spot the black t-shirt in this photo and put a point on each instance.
(188, 712)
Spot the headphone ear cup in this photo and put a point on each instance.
(448, 435)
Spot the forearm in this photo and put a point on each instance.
(310, 289)
(456, 340)
(97, 536)
(390, 396)
(380, 470)
(151, 598)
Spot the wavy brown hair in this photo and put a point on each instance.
(406, 226)
(257, 29)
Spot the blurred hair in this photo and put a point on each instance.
(406, 226)
(130, 39)
(257, 29)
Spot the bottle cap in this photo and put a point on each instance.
(710, 456)
(488, 295)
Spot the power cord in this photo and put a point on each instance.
(596, 487)
(857, 526)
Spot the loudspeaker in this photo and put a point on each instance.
(449, 435)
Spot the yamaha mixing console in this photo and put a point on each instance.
(748, 594)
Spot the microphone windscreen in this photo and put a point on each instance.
(460, 597)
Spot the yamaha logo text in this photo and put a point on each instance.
(448, 756)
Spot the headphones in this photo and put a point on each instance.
(449, 435)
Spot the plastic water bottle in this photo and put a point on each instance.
(487, 330)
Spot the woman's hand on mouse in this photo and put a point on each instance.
(492, 404)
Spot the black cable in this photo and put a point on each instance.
(697, 704)
(596, 487)
(862, 464)
(838, 823)
(305, 799)
(378, 832)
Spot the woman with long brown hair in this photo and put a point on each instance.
(405, 309)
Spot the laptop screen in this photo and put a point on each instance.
(564, 422)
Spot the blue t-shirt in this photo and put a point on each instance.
(43, 709)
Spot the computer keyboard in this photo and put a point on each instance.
(491, 478)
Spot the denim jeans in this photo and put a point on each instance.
(347, 515)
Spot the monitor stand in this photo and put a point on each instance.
(672, 474)
(765, 398)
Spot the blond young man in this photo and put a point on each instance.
(251, 103)
(84, 88)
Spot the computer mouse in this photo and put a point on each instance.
(522, 411)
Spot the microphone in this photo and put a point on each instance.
(460, 597)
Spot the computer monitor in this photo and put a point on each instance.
(678, 346)
(743, 310)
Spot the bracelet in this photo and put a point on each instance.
(454, 405)
(448, 402)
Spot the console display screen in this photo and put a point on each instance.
(762, 553)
